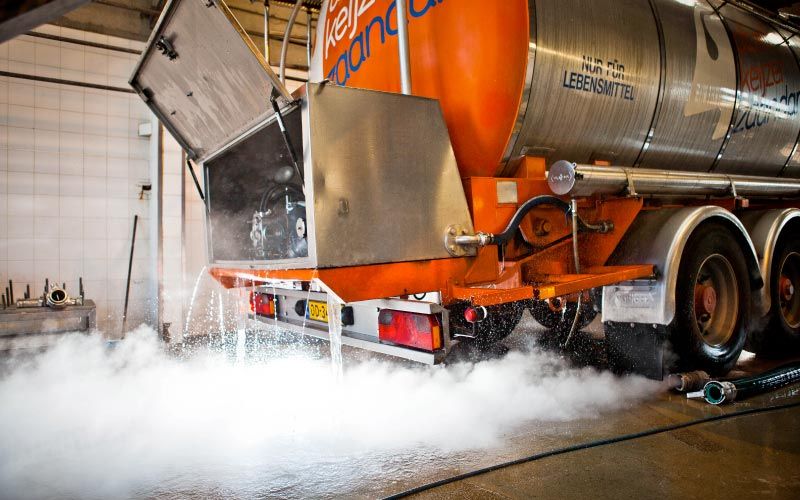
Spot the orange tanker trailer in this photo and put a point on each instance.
(458, 162)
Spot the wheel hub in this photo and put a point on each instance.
(705, 300)
(788, 280)
(786, 288)
(716, 300)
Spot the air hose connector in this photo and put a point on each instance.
(461, 242)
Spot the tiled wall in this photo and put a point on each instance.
(174, 291)
(71, 169)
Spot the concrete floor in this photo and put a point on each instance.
(743, 457)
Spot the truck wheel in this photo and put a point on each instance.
(712, 302)
(782, 334)
(558, 318)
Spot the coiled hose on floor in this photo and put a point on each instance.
(719, 392)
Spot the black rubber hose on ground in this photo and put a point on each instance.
(718, 392)
(592, 444)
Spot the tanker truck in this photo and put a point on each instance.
(454, 164)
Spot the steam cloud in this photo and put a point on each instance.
(83, 420)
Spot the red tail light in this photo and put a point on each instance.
(422, 331)
(475, 314)
(262, 304)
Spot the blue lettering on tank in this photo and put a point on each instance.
(350, 63)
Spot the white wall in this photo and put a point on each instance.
(71, 163)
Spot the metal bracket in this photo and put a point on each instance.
(631, 188)
(166, 48)
(732, 186)
(460, 243)
(450, 244)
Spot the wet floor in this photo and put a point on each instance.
(139, 424)
(749, 456)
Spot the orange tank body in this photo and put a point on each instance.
(471, 55)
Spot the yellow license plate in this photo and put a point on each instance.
(318, 311)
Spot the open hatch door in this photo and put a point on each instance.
(204, 78)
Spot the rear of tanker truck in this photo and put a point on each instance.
(632, 159)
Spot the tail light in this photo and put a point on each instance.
(422, 331)
(262, 304)
(475, 314)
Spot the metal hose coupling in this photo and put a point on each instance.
(716, 392)
(460, 241)
(689, 381)
(57, 298)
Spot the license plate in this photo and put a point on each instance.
(318, 311)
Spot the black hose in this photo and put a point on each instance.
(718, 392)
(270, 195)
(537, 201)
(589, 445)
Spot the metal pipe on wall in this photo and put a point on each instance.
(134, 8)
(286, 37)
(404, 51)
(60, 81)
(309, 35)
(85, 43)
(266, 31)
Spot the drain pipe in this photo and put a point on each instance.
(718, 392)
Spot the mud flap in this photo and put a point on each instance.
(636, 348)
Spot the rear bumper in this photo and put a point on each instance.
(356, 340)
(363, 332)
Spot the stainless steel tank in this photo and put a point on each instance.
(677, 84)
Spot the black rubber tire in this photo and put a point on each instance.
(684, 334)
(560, 323)
(778, 338)
(499, 323)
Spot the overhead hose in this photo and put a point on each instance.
(718, 392)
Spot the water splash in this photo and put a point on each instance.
(191, 302)
(335, 336)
